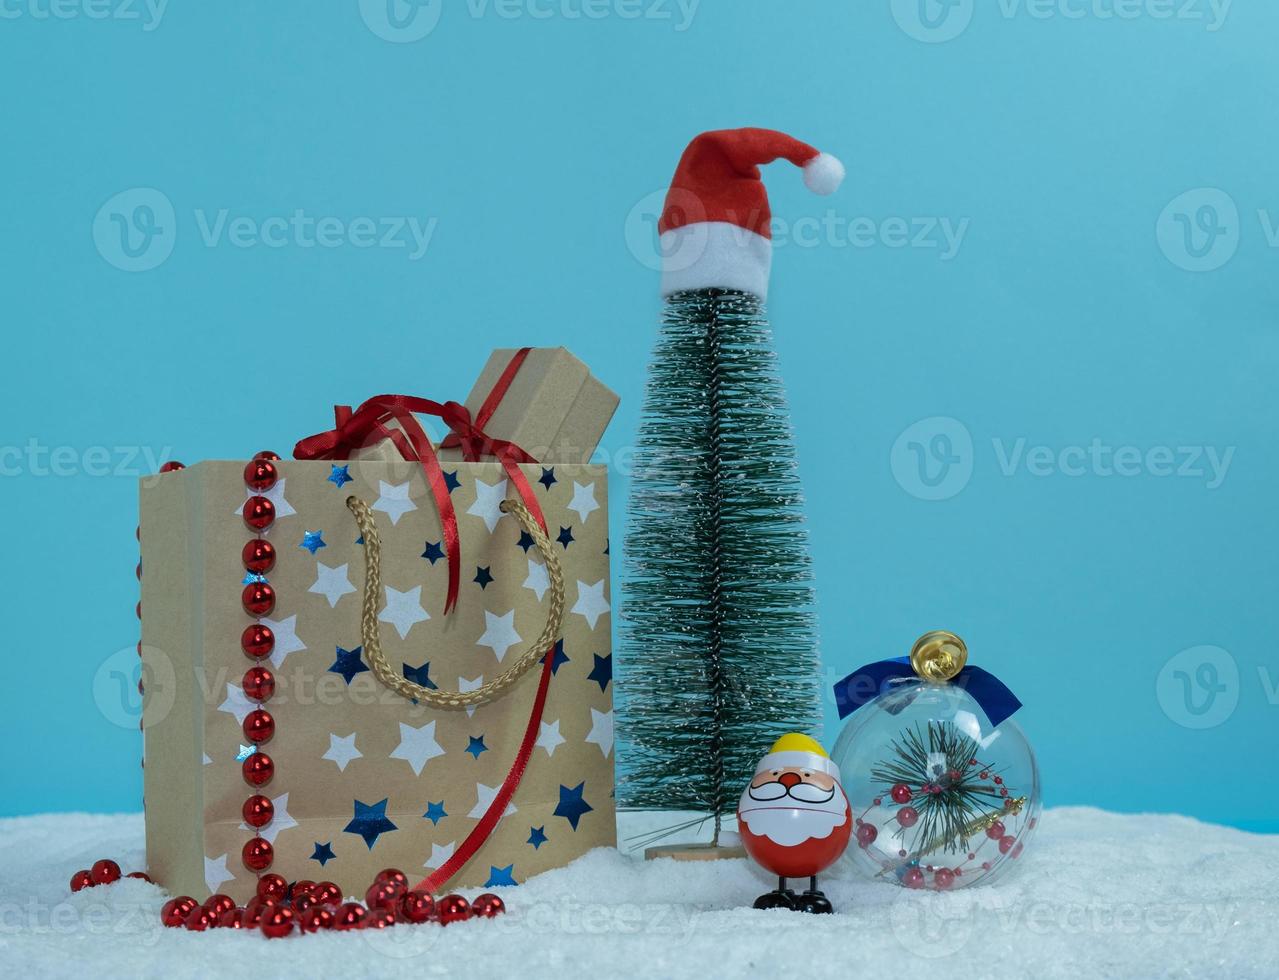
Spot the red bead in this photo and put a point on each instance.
(984, 774)
(232, 919)
(258, 684)
(137, 609)
(995, 830)
(258, 556)
(258, 599)
(267, 454)
(257, 854)
(259, 726)
(272, 886)
(105, 872)
(392, 874)
(866, 835)
(257, 641)
(219, 905)
(326, 893)
(81, 879)
(907, 816)
(301, 902)
(380, 918)
(452, 908)
(315, 918)
(416, 906)
(260, 475)
(999, 780)
(259, 513)
(175, 911)
(172, 466)
(1017, 849)
(255, 908)
(139, 874)
(913, 878)
(301, 887)
(277, 923)
(944, 878)
(138, 571)
(258, 812)
(487, 906)
(383, 895)
(901, 793)
(258, 769)
(349, 916)
(198, 920)
(1006, 843)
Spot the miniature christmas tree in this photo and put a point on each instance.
(719, 640)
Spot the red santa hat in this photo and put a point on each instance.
(715, 228)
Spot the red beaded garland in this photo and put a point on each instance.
(260, 475)
(487, 906)
(172, 466)
(417, 906)
(258, 556)
(316, 918)
(258, 599)
(277, 923)
(219, 905)
(392, 874)
(267, 454)
(232, 919)
(81, 879)
(452, 908)
(259, 726)
(383, 895)
(258, 811)
(199, 920)
(349, 916)
(257, 641)
(255, 908)
(273, 886)
(257, 769)
(257, 854)
(139, 874)
(259, 513)
(379, 918)
(175, 911)
(105, 872)
(259, 684)
(326, 893)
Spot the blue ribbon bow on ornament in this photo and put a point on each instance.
(872, 680)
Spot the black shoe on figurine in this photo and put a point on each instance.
(777, 900)
(815, 902)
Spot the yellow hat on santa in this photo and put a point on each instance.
(797, 750)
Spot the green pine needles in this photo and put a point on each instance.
(718, 630)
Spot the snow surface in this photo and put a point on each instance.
(1097, 895)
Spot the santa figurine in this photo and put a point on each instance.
(794, 820)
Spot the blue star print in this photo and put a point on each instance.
(571, 806)
(250, 578)
(566, 537)
(547, 479)
(483, 576)
(434, 811)
(500, 876)
(451, 481)
(559, 659)
(602, 672)
(369, 822)
(341, 475)
(477, 746)
(434, 552)
(421, 676)
(313, 541)
(526, 541)
(323, 853)
(537, 836)
(348, 664)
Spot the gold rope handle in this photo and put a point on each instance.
(371, 633)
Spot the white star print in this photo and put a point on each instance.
(499, 633)
(207, 760)
(591, 602)
(276, 495)
(484, 797)
(583, 500)
(394, 500)
(439, 854)
(216, 874)
(332, 583)
(417, 746)
(537, 579)
(404, 610)
(237, 704)
(602, 731)
(280, 820)
(342, 750)
(286, 639)
(488, 500)
(549, 736)
(463, 685)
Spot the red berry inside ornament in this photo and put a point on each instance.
(257, 769)
(944, 878)
(866, 835)
(258, 684)
(315, 918)
(272, 886)
(257, 641)
(259, 726)
(258, 556)
(452, 908)
(257, 854)
(380, 918)
(913, 878)
(349, 916)
(487, 906)
(105, 872)
(258, 599)
(81, 879)
(383, 895)
(901, 793)
(417, 906)
(255, 908)
(259, 513)
(260, 475)
(219, 905)
(258, 811)
(199, 920)
(277, 922)
(1006, 843)
(267, 454)
(995, 830)
(907, 816)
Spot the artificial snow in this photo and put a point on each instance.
(1096, 895)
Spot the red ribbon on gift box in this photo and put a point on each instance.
(368, 424)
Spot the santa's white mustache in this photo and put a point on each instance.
(804, 792)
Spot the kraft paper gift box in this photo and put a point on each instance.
(364, 777)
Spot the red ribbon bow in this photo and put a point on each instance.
(353, 430)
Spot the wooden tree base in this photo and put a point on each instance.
(694, 852)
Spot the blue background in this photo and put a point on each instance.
(1070, 313)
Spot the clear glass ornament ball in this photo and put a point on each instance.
(941, 798)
